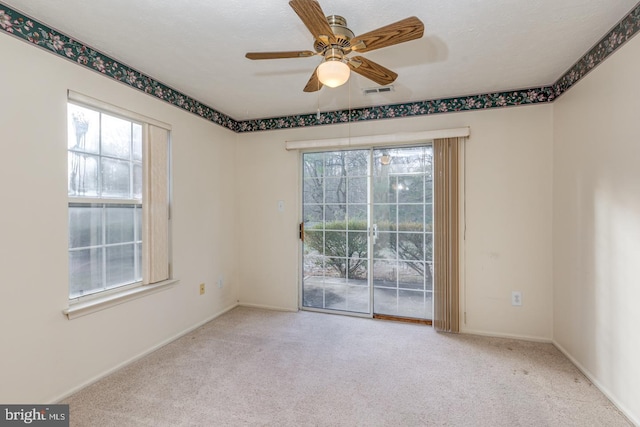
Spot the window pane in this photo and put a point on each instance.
(335, 164)
(428, 189)
(358, 296)
(405, 160)
(335, 190)
(357, 162)
(115, 179)
(358, 244)
(335, 222)
(429, 276)
(335, 268)
(116, 137)
(385, 273)
(137, 181)
(384, 189)
(385, 217)
(138, 223)
(385, 246)
(313, 265)
(412, 303)
(83, 175)
(411, 275)
(411, 246)
(411, 217)
(85, 226)
(428, 217)
(380, 185)
(313, 242)
(357, 217)
(335, 214)
(410, 189)
(119, 224)
(313, 215)
(83, 129)
(313, 164)
(335, 296)
(121, 265)
(313, 190)
(137, 142)
(139, 261)
(428, 246)
(357, 269)
(385, 301)
(85, 272)
(358, 190)
(335, 244)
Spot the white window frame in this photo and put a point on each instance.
(156, 257)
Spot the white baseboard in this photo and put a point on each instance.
(268, 307)
(633, 418)
(510, 336)
(138, 357)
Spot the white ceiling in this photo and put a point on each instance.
(469, 46)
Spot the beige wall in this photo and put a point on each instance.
(43, 355)
(597, 226)
(508, 215)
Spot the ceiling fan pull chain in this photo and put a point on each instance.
(318, 111)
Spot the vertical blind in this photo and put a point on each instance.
(446, 233)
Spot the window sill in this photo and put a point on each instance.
(98, 304)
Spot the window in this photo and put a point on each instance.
(118, 198)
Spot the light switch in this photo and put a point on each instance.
(280, 205)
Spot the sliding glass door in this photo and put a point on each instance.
(336, 231)
(402, 232)
(360, 203)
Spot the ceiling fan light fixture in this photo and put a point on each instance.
(333, 72)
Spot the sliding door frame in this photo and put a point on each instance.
(427, 288)
(397, 140)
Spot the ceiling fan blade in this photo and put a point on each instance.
(278, 55)
(314, 83)
(398, 32)
(372, 70)
(314, 18)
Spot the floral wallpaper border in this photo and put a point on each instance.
(619, 35)
(420, 108)
(30, 30)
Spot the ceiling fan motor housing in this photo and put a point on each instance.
(343, 35)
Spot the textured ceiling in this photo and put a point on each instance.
(469, 46)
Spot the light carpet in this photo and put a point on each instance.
(253, 367)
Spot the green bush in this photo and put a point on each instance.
(340, 245)
(344, 243)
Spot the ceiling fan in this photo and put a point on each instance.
(334, 41)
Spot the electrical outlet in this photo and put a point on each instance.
(201, 288)
(516, 298)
